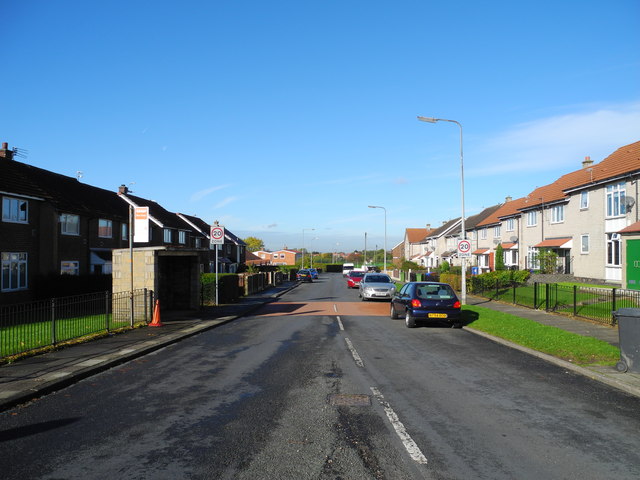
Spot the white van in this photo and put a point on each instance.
(346, 268)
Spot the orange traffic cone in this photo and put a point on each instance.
(155, 322)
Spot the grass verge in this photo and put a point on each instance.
(543, 338)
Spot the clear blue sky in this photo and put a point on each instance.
(274, 117)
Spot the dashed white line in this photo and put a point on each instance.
(340, 323)
(355, 355)
(412, 448)
(335, 308)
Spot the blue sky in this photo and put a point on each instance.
(274, 117)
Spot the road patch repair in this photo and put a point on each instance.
(375, 309)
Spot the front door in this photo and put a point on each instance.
(633, 264)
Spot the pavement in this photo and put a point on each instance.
(32, 377)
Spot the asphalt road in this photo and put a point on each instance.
(322, 386)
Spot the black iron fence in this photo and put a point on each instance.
(30, 326)
(594, 303)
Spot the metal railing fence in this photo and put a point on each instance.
(33, 325)
(594, 303)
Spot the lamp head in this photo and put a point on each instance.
(427, 119)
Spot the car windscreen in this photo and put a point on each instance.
(435, 292)
(377, 279)
(356, 274)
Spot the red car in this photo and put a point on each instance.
(354, 278)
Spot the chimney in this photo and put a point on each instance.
(587, 162)
(428, 226)
(5, 152)
(508, 199)
(123, 189)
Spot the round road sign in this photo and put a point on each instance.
(464, 246)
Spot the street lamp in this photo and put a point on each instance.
(464, 233)
(385, 234)
(303, 230)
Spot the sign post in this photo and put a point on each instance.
(216, 238)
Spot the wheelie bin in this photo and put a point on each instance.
(628, 320)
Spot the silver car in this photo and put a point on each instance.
(377, 285)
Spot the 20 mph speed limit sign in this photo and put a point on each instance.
(464, 248)
(217, 235)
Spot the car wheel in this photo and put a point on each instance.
(392, 313)
(409, 320)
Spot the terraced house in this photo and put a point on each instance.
(588, 217)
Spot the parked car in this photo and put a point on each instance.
(376, 285)
(354, 277)
(346, 268)
(304, 275)
(314, 273)
(422, 302)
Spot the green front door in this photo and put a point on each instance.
(633, 264)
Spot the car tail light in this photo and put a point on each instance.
(456, 305)
(416, 303)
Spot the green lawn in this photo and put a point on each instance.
(551, 340)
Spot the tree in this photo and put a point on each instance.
(254, 244)
(499, 257)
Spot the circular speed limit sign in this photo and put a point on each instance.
(464, 247)
(217, 235)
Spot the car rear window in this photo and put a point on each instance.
(430, 292)
(356, 274)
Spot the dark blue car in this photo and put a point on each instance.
(424, 302)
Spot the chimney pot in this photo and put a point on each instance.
(123, 189)
(587, 162)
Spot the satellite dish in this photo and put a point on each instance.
(496, 241)
(514, 239)
(629, 202)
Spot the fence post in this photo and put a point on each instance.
(53, 321)
(514, 292)
(613, 302)
(546, 294)
(106, 310)
(575, 300)
(145, 304)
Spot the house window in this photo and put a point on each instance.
(584, 243)
(532, 258)
(167, 235)
(182, 237)
(532, 218)
(584, 200)
(198, 243)
(105, 228)
(511, 224)
(496, 231)
(615, 200)
(69, 224)
(70, 267)
(14, 271)
(483, 234)
(557, 214)
(124, 231)
(15, 210)
(613, 249)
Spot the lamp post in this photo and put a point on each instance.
(385, 234)
(464, 233)
(303, 230)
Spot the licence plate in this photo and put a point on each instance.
(437, 315)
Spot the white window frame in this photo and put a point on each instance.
(198, 242)
(13, 271)
(497, 231)
(585, 243)
(614, 199)
(67, 221)
(69, 267)
(510, 224)
(584, 200)
(483, 234)
(557, 214)
(182, 237)
(124, 231)
(15, 210)
(532, 218)
(614, 250)
(166, 235)
(105, 228)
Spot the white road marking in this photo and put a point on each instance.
(335, 308)
(355, 355)
(407, 441)
(340, 323)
